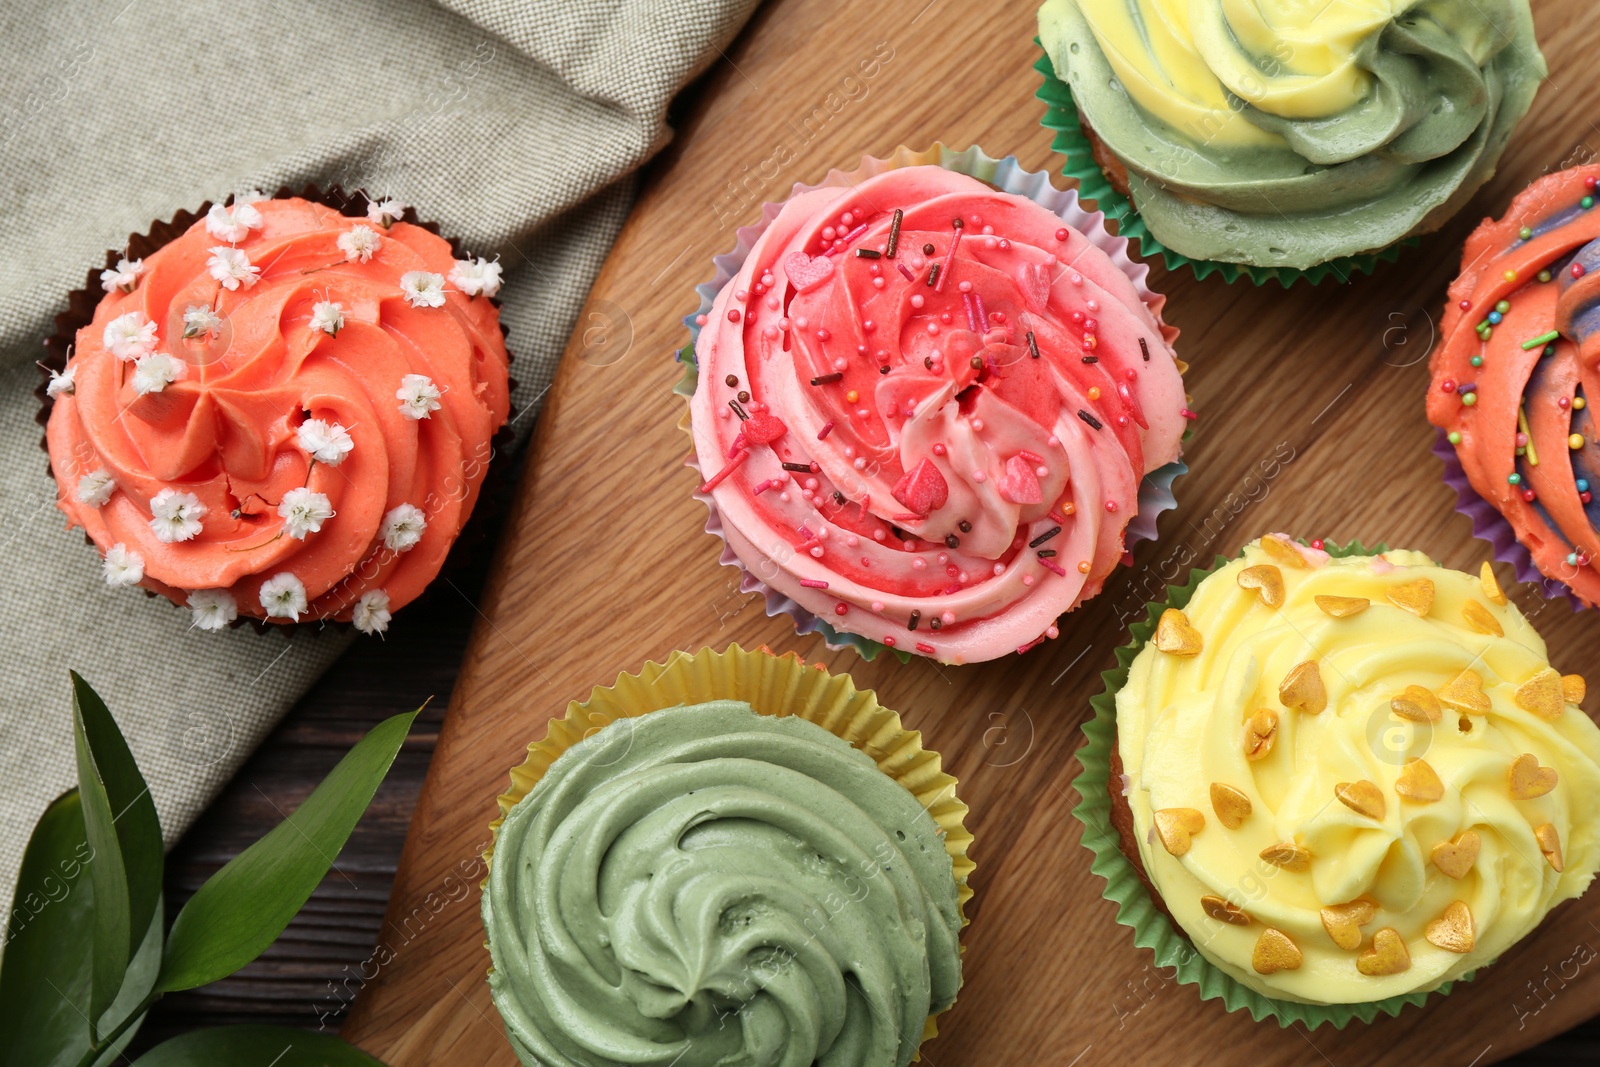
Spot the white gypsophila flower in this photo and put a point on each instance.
(403, 527)
(95, 488)
(155, 372)
(327, 316)
(371, 614)
(418, 396)
(325, 442)
(62, 382)
(232, 267)
(125, 276)
(423, 288)
(130, 336)
(304, 511)
(232, 224)
(476, 277)
(122, 566)
(387, 212)
(283, 596)
(213, 609)
(359, 244)
(250, 196)
(201, 320)
(175, 516)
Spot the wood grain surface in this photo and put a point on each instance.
(1311, 421)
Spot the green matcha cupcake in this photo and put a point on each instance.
(1281, 139)
(729, 858)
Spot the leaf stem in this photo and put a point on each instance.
(98, 1048)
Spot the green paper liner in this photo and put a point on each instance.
(1061, 116)
(1126, 889)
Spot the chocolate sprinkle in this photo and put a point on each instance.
(1145, 349)
(827, 379)
(935, 623)
(868, 253)
(1091, 359)
(739, 411)
(927, 249)
(1045, 553)
(933, 276)
(744, 397)
(964, 526)
(838, 498)
(957, 223)
(952, 541)
(894, 233)
(732, 380)
(1042, 538)
(884, 369)
(916, 617)
(1090, 419)
(1033, 346)
(803, 468)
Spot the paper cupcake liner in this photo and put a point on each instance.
(1126, 888)
(1490, 526)
(1061, 117)
(494, 494)
(771, 685)
(1006, 175)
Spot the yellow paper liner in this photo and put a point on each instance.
(772, 685)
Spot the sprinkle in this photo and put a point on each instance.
(1575, 442)
(1522, 424)
(894, 233)
(716, 479)
(916, 617)
(1051, 565)
(1045, 553)
(933, 277)
(1090, 419)
(827, 428)
(827, 379)
(739, 411)
(925, 648)
(950, 255)
(903, 269)
(868, 253)
(1542, 339)
(952, 541)
(812, 583)
(1144, 349)
(1091, 359)
(1042, 538)
(1033, 346)
(1186, 413)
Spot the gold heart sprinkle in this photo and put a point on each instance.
(1266, 580)
(1288, 855)
(1274, 952)
(1416, 704)
(1420, 782)
(1231, 805)
(1465, 693)
(1344, 922)
(1573, 688)
(1302, 688)
(1342, 607)
(1174, 635)
(1362, 797)
(1452, 930)
(1282, 551)
(1415, 597)
(1550, 844)
(1387, 955)
(1491, 588)
(1455, 858)
(1543, 695)
(1259, 733)
(1528, 780)
(1174, 827)
(1481, 619)
(1224, 912)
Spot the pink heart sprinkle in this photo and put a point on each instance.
(1020, 484)
(807, 272)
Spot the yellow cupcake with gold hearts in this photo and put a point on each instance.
(1343, 780)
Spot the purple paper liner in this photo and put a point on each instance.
(1009, 176)
(1490, 526)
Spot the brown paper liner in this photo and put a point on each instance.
(494, 495)
(771, 685)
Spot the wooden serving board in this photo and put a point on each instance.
(1311, 422)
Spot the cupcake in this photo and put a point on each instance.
(281, 411)
(1326, 783)
(729, 858)
(1283, 138)
(928, 407)
(1510, 377)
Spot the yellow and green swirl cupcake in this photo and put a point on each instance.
(728, 858)
(1331, 782)
(1279, 136)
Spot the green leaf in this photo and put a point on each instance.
(245, 906)
(256, 1046)
(125, 834)
(46, 970)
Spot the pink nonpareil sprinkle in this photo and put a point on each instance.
(811, 583)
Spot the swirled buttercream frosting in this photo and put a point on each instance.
(705, 885)
(1355, 778)
(285, 413)
(1286, 134)
(925, 408)
(1515, 369)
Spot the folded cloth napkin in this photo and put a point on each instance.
(517, 125)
